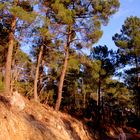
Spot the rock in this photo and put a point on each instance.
(16, 100)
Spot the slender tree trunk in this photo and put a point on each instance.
(103, 113)
(37, 73)
(41, 77)
(14, 75)
(1, 75)
(84, 95)
(99, 92)
(99, 100)
(74, 93)
(63, 73)
(62, 77)
(137, 71)
(137, 85)
(84, 100)
(9, 57)
(14, 78)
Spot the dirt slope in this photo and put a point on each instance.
(38, 122)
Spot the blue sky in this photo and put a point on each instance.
(127, 8)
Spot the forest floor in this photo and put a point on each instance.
(129, 137)
(40, 122)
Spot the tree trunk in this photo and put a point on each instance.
(99, 92)
(37, 73)
(14, 75)
(14, 78)
(62, 77)
(137, 86)
(63, 73)
(99, 100)
(9, 57)
(1, 75)
(41, 77)
(137, 71)
(84, 94)
(102, 107)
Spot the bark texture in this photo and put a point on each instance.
(37, 73)
(9, 57)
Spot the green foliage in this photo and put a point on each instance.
(48, 97)
(25, 88)
(22, 14)
(105, 8)
(129, 38)
(129, 48)
(78, 14)
(74, 62)
(95, 36)
(20, 9)
(1, 6)
(105, 64)
(45, 32)
(63, 13)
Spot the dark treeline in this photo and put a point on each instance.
(58, 72)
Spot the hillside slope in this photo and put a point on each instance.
(38, 122)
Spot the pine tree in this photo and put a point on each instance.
(106, 66)
(16, 10)
(71, 18)
(128, 42)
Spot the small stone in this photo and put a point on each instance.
(16, 100)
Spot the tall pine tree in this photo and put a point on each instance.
(79, 22)
(12, 11)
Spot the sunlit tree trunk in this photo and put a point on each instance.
(1, 74)
(37, 73)
(9, 57)
(63, 73)
(41, 77)
(14, 74)
(61, 82)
